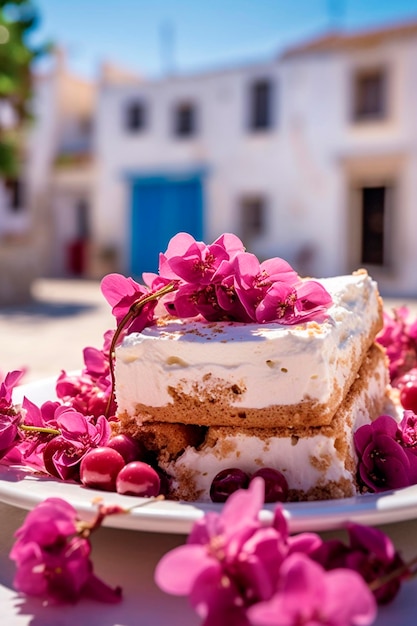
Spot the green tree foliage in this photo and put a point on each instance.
(18, 19)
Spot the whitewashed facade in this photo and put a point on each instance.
(60, 168)
(60, 176)
(327, 178)
(328, 188)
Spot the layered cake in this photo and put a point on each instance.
(209, 395)
(317, 462)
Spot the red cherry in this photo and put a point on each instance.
(130, 449)
(138, 479)
(408, 396)
(100, 467)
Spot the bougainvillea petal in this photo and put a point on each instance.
(178, 570)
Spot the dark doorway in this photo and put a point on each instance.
(374, 207)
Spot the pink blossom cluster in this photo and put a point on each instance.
(219, 282)
(90, 392)
(9, 416)
(52, 438)
(237, 571)
(52, 555)
(399, 338)
(387, 453)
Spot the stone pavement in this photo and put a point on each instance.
(49, 334)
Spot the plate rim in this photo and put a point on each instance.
(178, 517)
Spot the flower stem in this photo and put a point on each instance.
(84, 529)
(407, 569)
(134, 310)
(40, 429)
(152, 500)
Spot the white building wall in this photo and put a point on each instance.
(63, 106)
(307, 166)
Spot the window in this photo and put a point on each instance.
(82, 211)
(14, 193)
(135, 117)
(185, 120)
(374, 217)
(260, 105)
(253, 217)
(370, 97)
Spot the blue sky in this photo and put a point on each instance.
(153, 36)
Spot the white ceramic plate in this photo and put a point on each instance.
(23, 488)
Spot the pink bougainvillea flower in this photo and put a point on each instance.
(273, 292)
(53, 560)
(370, 553)
(9, 431)
(89, 391)
(193, 261)
(219, 282)
(253, 279)
(307, 594)
(331, 554)
(250, 283)
(277, 305)
(252, 273)
(190, 301)
(312, 301)
(197, 266)
(407, 431)
(229, 562)
(383, 462)
(230, 305)
(6, 387)
(10, 418)
(287, 304)
(122, 293)
(236, 571)
(79, 434)
(76, 427)
(399, 338)
(373, 555)
(28, 450)
(86, 394)
(231, 243)
(96, 362)
(216, 534)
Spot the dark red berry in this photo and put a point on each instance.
(276, 486)
(226, 482)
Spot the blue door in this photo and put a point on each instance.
(162, 207)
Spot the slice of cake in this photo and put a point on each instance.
(249, 375)
(247, 366)
(317, 462)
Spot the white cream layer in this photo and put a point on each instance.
(310, 463)
(273, 363)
